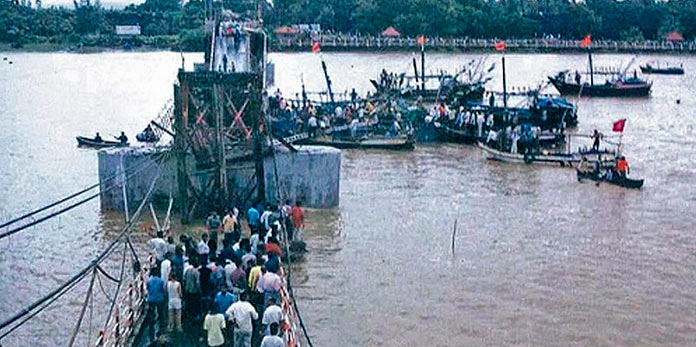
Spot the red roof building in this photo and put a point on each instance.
(391, 32)
(674, 36)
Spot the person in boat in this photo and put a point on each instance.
(584, 166)
(98, 138)
(596, 136)
(491, 100)
(622, 167)
(123, 138)
(492, 137)
(578, 78)
(514, 138)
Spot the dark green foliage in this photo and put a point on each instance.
(632, 20)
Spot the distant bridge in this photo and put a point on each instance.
(342, 42)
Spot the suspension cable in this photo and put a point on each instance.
(52, 296)
(67, 208)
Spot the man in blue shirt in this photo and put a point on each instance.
(253, 219)
(224, 299)
(155, 302)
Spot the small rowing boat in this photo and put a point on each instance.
(548, 158)
(669, 70)
(614, 179)
(395, 143)
(90, 142)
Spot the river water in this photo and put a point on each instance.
(539, 259)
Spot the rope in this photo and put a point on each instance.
(82, 311)
(23, 314)
(101, 286)
(65, 209)
(48, 206)
(114, 279)
(52, 296)
(118, 287)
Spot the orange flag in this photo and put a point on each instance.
(421, 40)
(585, 42)
(316, 48)
(500, 46)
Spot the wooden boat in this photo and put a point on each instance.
(548, 158)
(448, 134)
(615, 180)
(90, 142)
(395, 143)
(670, 70)
(631, 87)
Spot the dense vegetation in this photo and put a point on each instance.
(165, 23)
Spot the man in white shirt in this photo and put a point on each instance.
(273, 340)
(272, 314)
(158, 246)
(203, 248)
(214, 324)
(166, 267)
(242, 313)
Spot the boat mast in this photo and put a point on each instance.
(415, 68)
(589, 54)
(504, 84)
(328, 81)
(423, 69)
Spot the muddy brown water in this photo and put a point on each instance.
(540, 259)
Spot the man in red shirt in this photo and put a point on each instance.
(297, 215)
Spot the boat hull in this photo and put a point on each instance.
(665, 71)
(386, 144)
(618, 181)
(555, 159)
(87, 142)
(601, 90)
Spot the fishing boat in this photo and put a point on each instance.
(668, 70)
(563, 159)
(619, 87)
(91, 142)
(616, 86)
(387, 143)
(447, 134)
(614, 179)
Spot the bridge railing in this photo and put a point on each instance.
(344, 41)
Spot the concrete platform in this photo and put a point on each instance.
(312, 175)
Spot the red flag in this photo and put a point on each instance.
(586, 41)
(500, 46)
(316, 48)
(421, 40)
(619, 126)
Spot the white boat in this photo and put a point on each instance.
(549, 158)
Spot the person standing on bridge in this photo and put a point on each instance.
(155, 302)
(213, 223)
(273, 340)
(214, 324)
(242, 313)
(175, 304)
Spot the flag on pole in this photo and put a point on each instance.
(619, 126)
(500, 46)
(316, 48)
(421, 40)
(586, 41)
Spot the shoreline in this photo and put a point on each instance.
(275, 48)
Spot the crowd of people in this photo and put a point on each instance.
(295, 116)
(226, 286)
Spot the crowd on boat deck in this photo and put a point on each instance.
(359, 116)
(502, 132)
(225, 286)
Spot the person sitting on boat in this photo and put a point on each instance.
(98, 138)
(584, 166)
(596, 135)
(492, 137)
(123, 138)
(622, 167)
